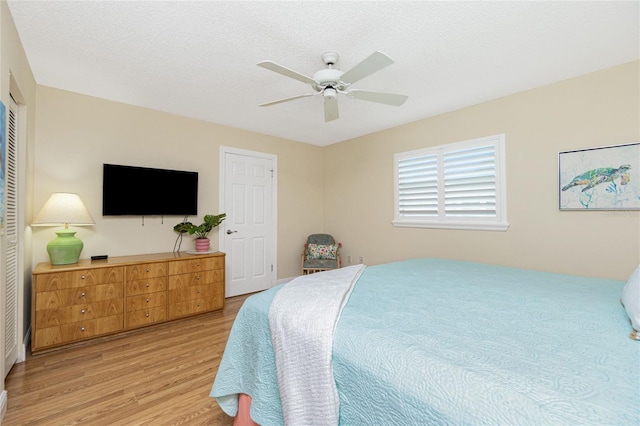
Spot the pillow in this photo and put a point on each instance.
(631, 301)
(321, 251)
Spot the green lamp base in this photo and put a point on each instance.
(65, 248)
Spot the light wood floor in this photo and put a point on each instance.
(156, 376)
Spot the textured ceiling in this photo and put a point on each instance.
(198, 59)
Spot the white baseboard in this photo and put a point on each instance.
(285, 280)
(3, 405)
(22, 355)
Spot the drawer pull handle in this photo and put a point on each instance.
(81, 328)
(147, 269)
(82, 294)
(198, 305)
(147, 300)
(198, 291)
(198, 264)
(83, 277)
(147, 315)
(147, 284)
(197, 277)
(82, 311)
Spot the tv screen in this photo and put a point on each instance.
(128, 190)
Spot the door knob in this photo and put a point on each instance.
(229, 231)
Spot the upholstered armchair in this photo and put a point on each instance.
(321, 252)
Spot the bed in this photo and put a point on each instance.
(436, 341)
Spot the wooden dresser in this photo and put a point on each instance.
(78, 302)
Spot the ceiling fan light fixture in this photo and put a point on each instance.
(329, 93)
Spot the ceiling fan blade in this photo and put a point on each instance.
(292, 98)
(382, 98)
(272, 66)
(330, 109)
(375, 62)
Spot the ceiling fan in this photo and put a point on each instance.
(330, 82)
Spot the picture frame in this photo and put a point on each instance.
(602, 178)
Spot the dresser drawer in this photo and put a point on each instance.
(76, 279)
(195, 265)
(207, 291)
(196, 278)
(146, 301)
(146, 316)
(190, 307)
(75, 313)
(151, 285)
(146, 270)
(77, 296)
(81, 330)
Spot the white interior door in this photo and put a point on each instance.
(248, 235)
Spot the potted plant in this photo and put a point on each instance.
(201, 231)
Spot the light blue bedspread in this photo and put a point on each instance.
(432, 341)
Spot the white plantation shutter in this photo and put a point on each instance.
(418, 186)
(470, 182)
(459, 185)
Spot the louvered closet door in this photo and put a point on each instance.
(11, 236)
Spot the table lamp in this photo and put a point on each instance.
(64, 209)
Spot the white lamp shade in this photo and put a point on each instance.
(63, 208)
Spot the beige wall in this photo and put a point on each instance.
(76, 134)
(598, 109)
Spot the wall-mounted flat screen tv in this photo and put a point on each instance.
(128, 190)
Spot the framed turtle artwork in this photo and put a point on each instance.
(604, 178)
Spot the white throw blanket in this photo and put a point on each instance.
(302, 319)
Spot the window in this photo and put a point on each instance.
(458, 186)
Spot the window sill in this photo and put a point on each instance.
(476, 226)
